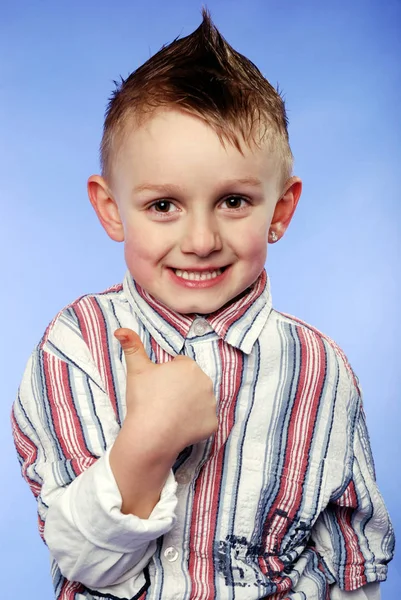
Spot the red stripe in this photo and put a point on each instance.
(83, 326)
(298, 442)
(66, 421)
(105, 353)
(332, 343)
(161, 356)
(155, 348)
(204, 518)
(354, 572)
(284, 585)
(41, 527)
(28, 451)
(180, 322)
(94, 332)
(70, 589)
(114, 288)
(237, 310)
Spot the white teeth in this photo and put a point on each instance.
(196, 275)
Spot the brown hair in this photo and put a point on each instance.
(204, 76)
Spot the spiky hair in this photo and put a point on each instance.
(202, 75)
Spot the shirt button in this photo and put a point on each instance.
(200, 327)
(171, 554)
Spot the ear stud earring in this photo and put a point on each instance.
(273, 236)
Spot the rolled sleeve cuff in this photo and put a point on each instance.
(95, 503)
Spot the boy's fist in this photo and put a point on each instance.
(173, 402)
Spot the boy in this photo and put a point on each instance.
(143, 492)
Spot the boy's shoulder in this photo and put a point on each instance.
(79, 311)
(308, 333)
(299, 323)
(83, 327)
(81, 333)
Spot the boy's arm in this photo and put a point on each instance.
(79, 503)
(102, 493)
(354, 534)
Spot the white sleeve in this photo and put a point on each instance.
(92, 541)
(370, 591)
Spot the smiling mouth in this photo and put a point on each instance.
(199, 275)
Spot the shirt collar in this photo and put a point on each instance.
(239, 323)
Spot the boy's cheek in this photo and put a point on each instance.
(254, 242)
(144, 252)
(144, 243)
(136, 252)
(139, 268)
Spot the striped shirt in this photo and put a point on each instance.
(280, 503)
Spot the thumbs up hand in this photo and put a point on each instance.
(169, 406)
(173, 401)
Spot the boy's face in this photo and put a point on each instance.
(185, 206)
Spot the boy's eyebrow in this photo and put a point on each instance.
(174, 188)
(244, 181)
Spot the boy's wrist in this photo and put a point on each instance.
(145, 443)
(148, 436)
(140, 468)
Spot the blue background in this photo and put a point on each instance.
(338, 265)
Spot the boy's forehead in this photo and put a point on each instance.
(173, 122)
(170, 143)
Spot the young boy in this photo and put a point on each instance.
(184, 439)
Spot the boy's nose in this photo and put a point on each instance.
(201, 238)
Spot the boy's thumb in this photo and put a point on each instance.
(135, 354)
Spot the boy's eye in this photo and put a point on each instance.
(162, 206)
(235, 202)
(166, 206)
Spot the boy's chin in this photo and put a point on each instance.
(201, 307)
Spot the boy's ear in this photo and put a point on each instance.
(105, 207)
(285, 207)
